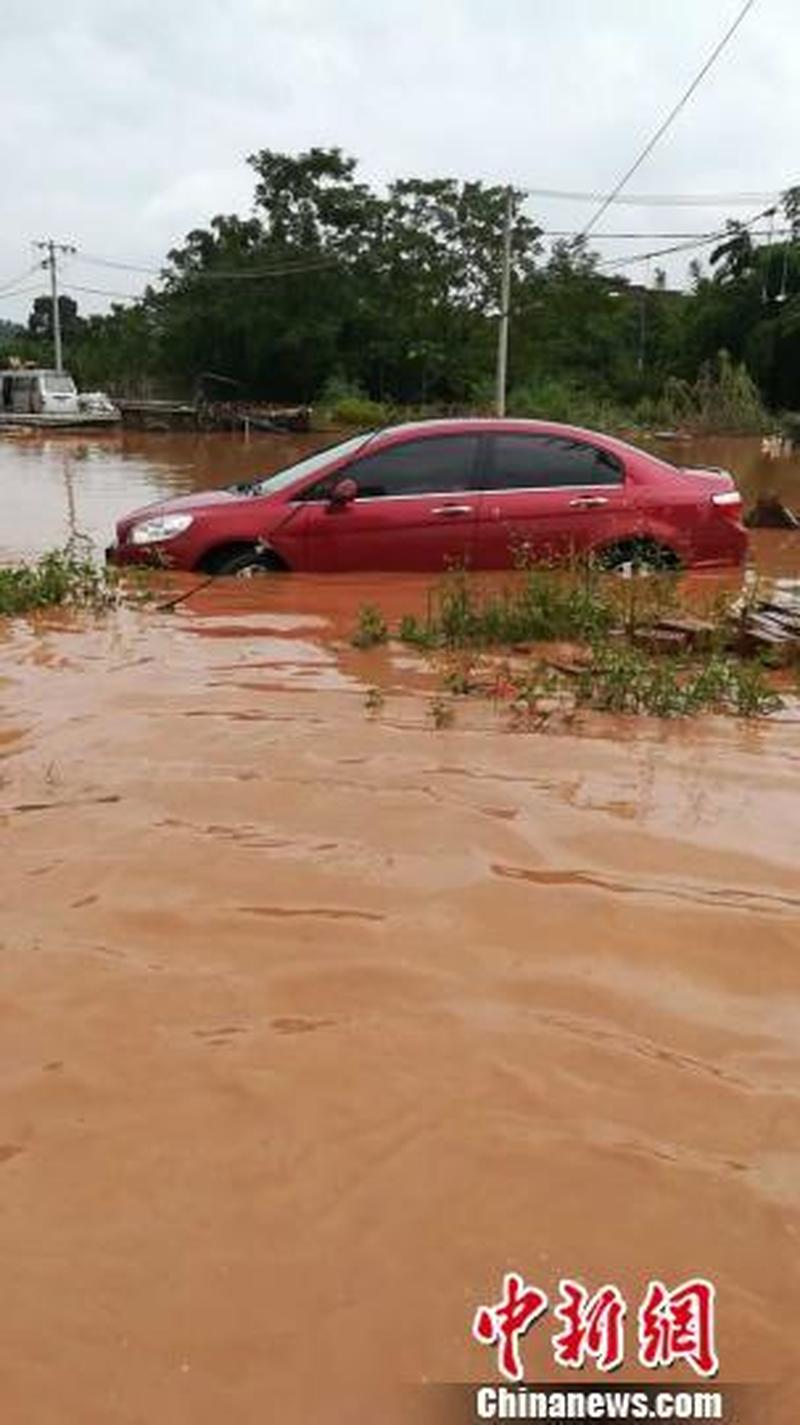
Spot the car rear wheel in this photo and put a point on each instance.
(638, 556)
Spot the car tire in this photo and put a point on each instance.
(638, 556)
(245, 563)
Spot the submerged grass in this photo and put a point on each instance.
(643, 650)
(372, 628)
(623, 679)
(540, 606)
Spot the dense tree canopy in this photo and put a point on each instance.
(329, 284)
(40, 321)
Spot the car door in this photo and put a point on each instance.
(545, 498)
(416, 509)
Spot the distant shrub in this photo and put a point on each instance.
(551, 399)
(359, 411)
(345, 403)
(723, 398)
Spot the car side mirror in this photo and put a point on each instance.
(344, 491)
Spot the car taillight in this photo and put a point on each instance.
(728, 502)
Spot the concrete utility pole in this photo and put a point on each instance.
(505, 298)
(51, 261)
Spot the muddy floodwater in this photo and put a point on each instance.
(316, 1020)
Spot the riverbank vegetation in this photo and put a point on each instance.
(368, 302)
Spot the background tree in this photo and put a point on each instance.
(331, 285)
(40, 321)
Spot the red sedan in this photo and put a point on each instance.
(479, 493)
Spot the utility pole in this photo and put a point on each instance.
(505, 299)
(642, 330)
(51, 261)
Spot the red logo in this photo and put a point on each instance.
(675, 1326)
(593, 1327)
(678, 1326)
(505, 1323)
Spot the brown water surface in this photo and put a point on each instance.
(315, 1022)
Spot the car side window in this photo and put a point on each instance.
(541, 462)
(434, 465)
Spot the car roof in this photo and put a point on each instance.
(513, 425)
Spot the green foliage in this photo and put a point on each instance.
(727, 397)
(344, 404)
(395, 293)
(553, 399)
(723, 398)
(63, 576)
(40, 321)
(624, 679)
(540, 604)
(372, 628)
(622, 668)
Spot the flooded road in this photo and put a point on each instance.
(315, 1020)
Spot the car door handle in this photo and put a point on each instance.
(452, 510)
(587, 502)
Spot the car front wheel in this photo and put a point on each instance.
(244, 563)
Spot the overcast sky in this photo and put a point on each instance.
(126, 122)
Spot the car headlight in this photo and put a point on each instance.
(159, 528)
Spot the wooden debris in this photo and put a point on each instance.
(769, 513)
(697, 633)
(661, 640)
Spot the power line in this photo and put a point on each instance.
(101, 292)
(12, 282)
(288, 270)
(721, 234)
(20, 292)
(659, 200)
(654, 237)
(285, 268)
(117, 265)
(671, 116)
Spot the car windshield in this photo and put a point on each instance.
(310, 466)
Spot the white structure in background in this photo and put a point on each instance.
(51, 398)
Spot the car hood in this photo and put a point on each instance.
(183, 504)
(179, 505)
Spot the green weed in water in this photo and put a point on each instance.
(442, 713)
(372, 628)
(623, 679)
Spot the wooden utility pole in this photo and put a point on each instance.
(505, 298)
